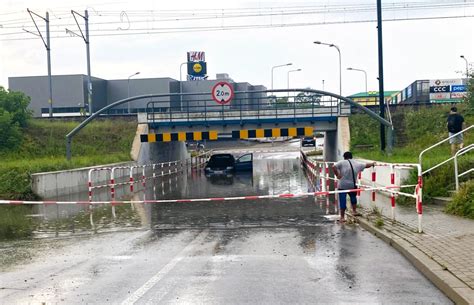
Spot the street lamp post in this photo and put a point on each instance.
(128, 88)
(288, 64)
(467, 65)
(288, 80)
(288, 76)
(340, 62)
(365, 73)
(181, 84)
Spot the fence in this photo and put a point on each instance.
(321, 170)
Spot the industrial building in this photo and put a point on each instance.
(70, 93)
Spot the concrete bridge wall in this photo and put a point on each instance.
(67, 182)
(338, 141)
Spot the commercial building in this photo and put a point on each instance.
(70, 93)
(434, 91)
(371, 98)
(419, 92)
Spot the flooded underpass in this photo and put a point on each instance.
(256, 251)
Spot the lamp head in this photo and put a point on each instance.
(317, 42)
(462, 56)
(289, 64)
(350, 69)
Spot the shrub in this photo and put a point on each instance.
(10, 133)
(463, 201)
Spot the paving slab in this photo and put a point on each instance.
(443, 252)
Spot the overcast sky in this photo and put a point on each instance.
(415, 49)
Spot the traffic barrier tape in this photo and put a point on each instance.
(252, 197)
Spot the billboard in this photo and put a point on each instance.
(447, 90)
(197, 66)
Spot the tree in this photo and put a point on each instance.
(16, 103)
(10, 133)
(14, 115)
(308, 99)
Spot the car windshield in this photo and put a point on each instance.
(221, 160)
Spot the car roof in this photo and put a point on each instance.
(222, 155)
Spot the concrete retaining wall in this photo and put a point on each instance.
(62, 183)
(383, 175)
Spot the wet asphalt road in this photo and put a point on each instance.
(286, 251)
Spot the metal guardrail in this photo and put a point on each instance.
(456, 170)
(174, 100)
(320, 169)
(420, 157)
(245, 107)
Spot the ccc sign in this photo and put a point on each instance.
(439, 89)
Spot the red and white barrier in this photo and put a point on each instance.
(251, 197)
(391, 188)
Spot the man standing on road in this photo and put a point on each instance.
(455, 124)
(346, 171)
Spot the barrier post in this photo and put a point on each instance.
(359, 177)
(323, 179)
(91, 219)
(392, 183)
(112, 191)
(327, 175)
(373, 182)
(131, 178)
(89, 183)
(419, 199)
(336, 188)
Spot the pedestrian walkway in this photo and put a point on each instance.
(446, 240)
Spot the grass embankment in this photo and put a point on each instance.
(415, 130)
(44, 149)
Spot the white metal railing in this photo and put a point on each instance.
(140, 171)
(320, 169)
(456, 170)
(437, 144)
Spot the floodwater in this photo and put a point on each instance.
(268, 251)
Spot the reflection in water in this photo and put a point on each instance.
(272, 174)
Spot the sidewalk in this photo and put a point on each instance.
(444, 252)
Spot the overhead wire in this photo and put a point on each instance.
(137, 17)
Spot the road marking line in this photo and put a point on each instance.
(140, 292)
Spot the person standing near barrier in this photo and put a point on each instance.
(346, 171)
(455, 123)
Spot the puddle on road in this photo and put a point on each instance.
(272, 174)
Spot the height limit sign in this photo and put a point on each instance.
(222, 93)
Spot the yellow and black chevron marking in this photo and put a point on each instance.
(179, 136)
(236, 134)
(273, 132)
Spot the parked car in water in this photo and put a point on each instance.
(308, 141)
(226, 163)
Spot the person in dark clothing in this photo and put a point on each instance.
(455, 123)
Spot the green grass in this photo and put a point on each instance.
(43, 149)
(422, 127)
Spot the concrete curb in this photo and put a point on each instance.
(450, 285)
